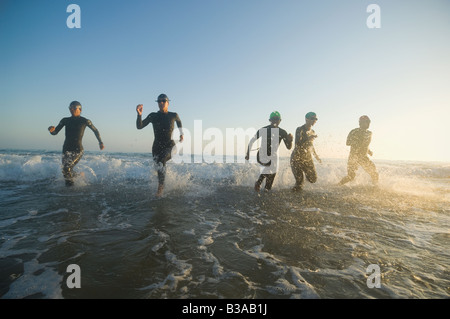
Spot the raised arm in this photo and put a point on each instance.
(140, 124)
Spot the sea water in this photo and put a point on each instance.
(212, 236)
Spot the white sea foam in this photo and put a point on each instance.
(428, 180)
(37, 279)
(172, 281)
(163, 238)
(199, 242)
(289, 281)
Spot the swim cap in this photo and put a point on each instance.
(74, 104)
(364, 118)
(275, 115)
(311, 116)
(162, 97)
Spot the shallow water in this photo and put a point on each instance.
(212, 236)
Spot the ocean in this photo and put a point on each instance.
(211, 236)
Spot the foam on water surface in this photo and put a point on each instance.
(212, 236)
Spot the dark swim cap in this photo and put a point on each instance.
(364, 118)
(162, 97)
(74, 104)
(311, 116)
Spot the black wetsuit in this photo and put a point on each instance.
(359, 139)
(73, 147)
(163, 125)
(301, 157)
(269, 133)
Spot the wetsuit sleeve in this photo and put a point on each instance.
(369, 139)
(59, 127)
(179, 124)
(287, 142)
(351, 138)
(253, 140)
(94, 129)
(297, 136)
(315, 153)
(140, 124)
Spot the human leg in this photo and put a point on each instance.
(298, 173)
(352, 166)
(269, 181)
(69, 160)
(160, 159)
(310, 171)
(259, 182)
(370, 168)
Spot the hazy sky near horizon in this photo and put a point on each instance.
(229, 64)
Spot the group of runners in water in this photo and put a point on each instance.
(301, 160)
(163, 121)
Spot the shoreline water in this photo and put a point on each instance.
(212, 236)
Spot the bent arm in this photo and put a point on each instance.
(351, 138)
(369, 140)
(297, 136)
(250, 144)
(315, 155)
(140, 124)
(349, 141)
(55, 130)
(288, 141)
(96, 132)
(179, 125)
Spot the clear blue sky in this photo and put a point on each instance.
(230, 64)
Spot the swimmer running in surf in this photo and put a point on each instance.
(73, 148)
(267, 156)
(302, 164)
(163, 125)
(359, 139)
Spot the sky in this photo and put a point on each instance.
(228, 65)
